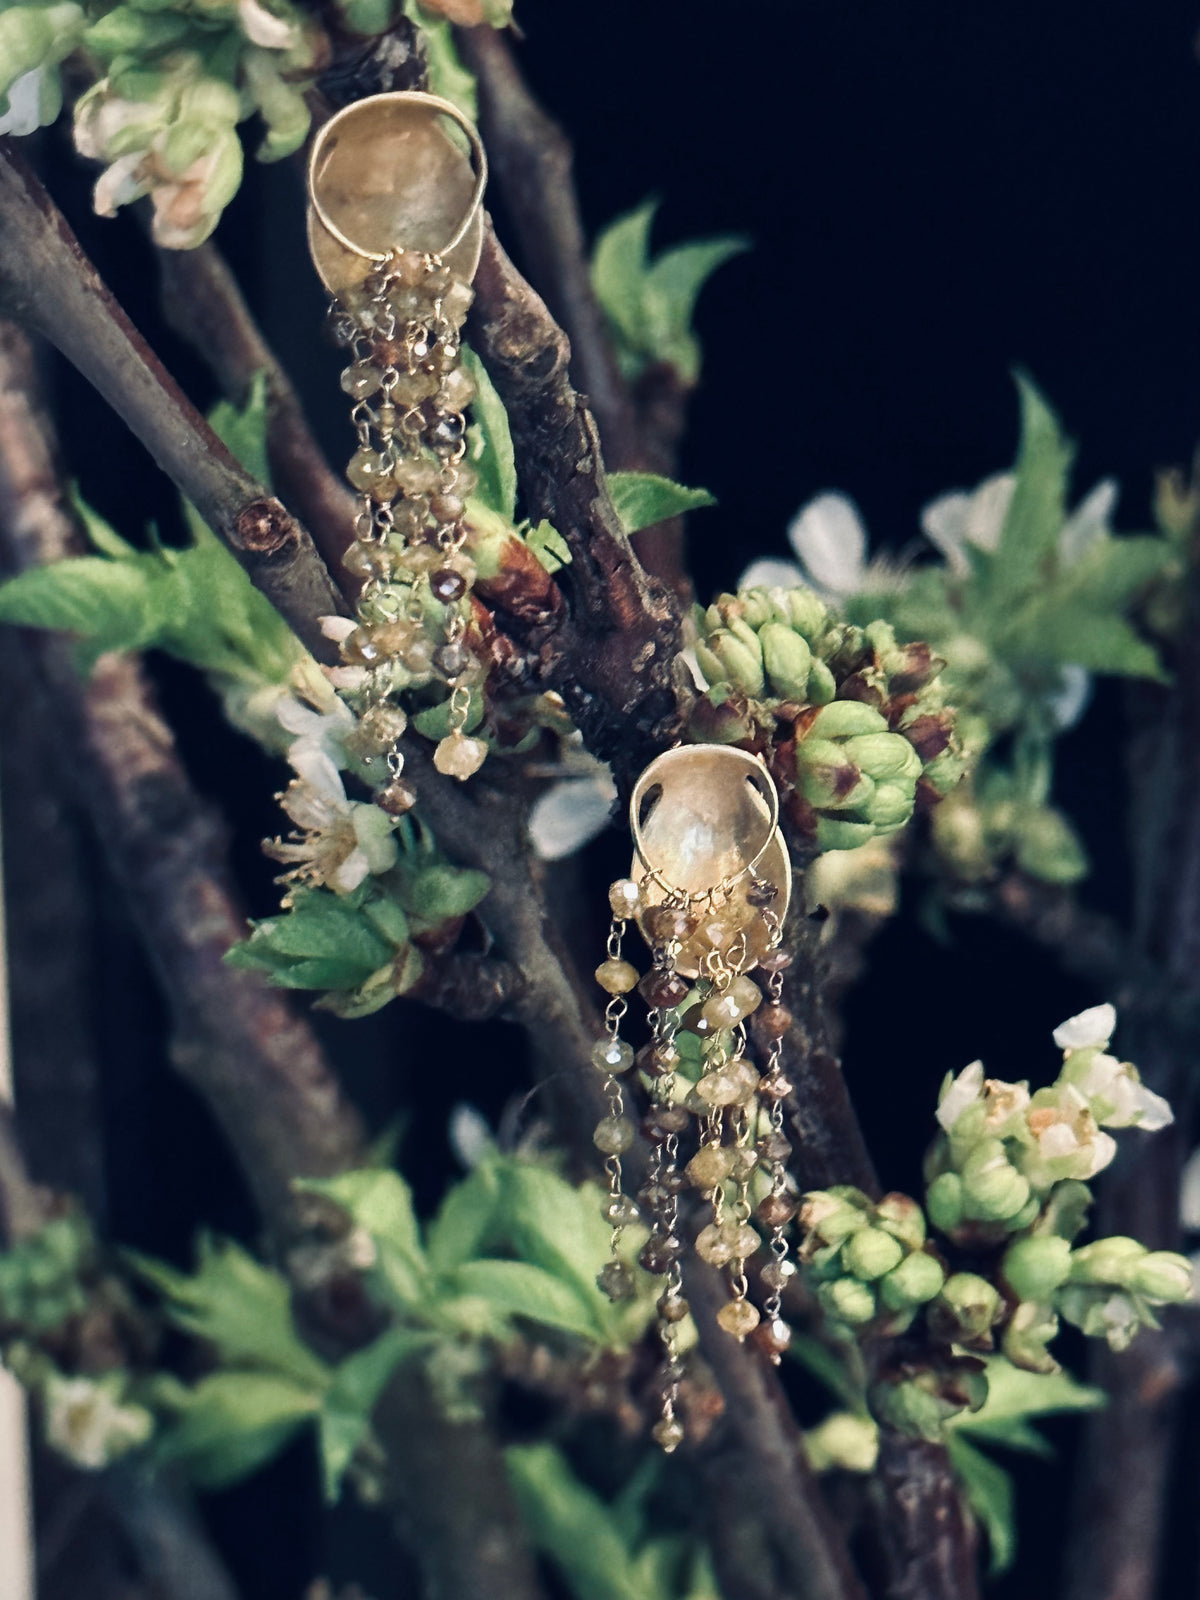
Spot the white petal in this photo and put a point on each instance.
(263, 28)
(1151, 1111)
(471, 1137)
(1068, 703)
(988, 509)
(1094, 1026)
(1088, 523)
(119, 184)
(351, 873)
(770, 573)
(963, 1092)
(1104, 1148)
(337, 627)
(24, 114)
(1189, 1193)
(828, 536)
(318, 771)
(297, 718)
(569, 814)
(944, 524)
(350, 678)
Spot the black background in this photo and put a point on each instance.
(935, 193)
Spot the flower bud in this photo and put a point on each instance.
(902, 1217)
(993, 1189)
(1164, 1277)
(809, 613)
(822, 685)
(1029, 1331)
(891, 806)
(845, 719)
(944, 1202)
(883, 755)
(827, 778)
(787, 659)
(728, 659)
(836, 833)
(847, 1300)
(1108, 1261)
(1034, 1268)
(843, 1440)
(971, 1303)
(832, 1215)
(871, 1252)
(917, 1279)
(1101, 1313)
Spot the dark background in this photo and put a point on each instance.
(936, 193)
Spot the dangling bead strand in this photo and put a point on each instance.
(611, 1055)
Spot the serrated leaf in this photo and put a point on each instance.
(619, 267)
(1038, 507)
(490, 446)
(518, 1288)
(119, 605)
(1111, 575)
(321, 924)
(673, 285)
(243, 431)
(464, 1221)
(378, 1201)
(989, 1491)
(643, 498)
(233, 1423)
(101, 535)
(238, 1305)
(1076, 635)
(345, 1416)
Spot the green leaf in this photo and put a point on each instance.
(1014, 1393)
(118, 605)
(1112, 574)
(233, 1423)
(1072, 634)
(345, 1416)
(573, 1527)
(989, 1491)
(322, 924)
(100, 534)
(378, 1201)
(619, 269)
(1037, 511)
(238, 1305)
(643, 498)
(517, 1288)
(673, 286)
(490, 446)
(447, 75)
(244, 432)
(549, 546)
(464, 1221)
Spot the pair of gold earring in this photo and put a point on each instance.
(711, 879)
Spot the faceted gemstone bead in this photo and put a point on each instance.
(616, 976)
(457, 390)
(776, 1210)
(712, 1246)
(726, 1009)
(668, 1434)
(367, 558)
(412, 387)
(694, 1021)
(654, 1196)
(658, 1060)
(411, 518)
(775, 1086)
(361, 380)
(620, 1211)
(362, 648)
(718, 1089)
(624, 897)
(664, 923)
(617, 1280)
(743, 1239)
(660, 1252)
(778, 1274)
(710, 1166)
(771, 1022)
(761, 893)
(739, 1318)
(466, 479)
(446, 585)
(773, 1147)
(459, 756)
(452, 660)
(744, 1079)
(776, 961)
(447, 431)
(672, 1307)
(420, 559)
(661, 1122)
(456, 302)
(367, 467)
(396, 798)
(446, 506)
(772, 1337)
(613, 1135)
(393, 638)
(380, 726)
(744, 1162)
(663, 990)
(612, 1055)
(416, 475)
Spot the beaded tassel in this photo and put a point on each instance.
(410, 392)
(611, 1055)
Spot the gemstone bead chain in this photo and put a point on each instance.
(614, 1133)
(410, 393)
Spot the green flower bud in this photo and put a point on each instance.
(847, 1300)
(1034, 1268)
(1101, 1313)
(822, 685)
(1066, 1209)
(917, 1279)
(971, 1303)
(828, 779)
(883, 755)
(710, 664)
(740, 664)
(209, 100)
(1108, 1261)
(759, 606)
(843, 1440)
(788, 660)
(836, 833)
(845, 719)
(1164, 1277)
(832, 1215)
(870, 1253)
(34, 36)
(809, 613)
(891, 806)
(944, 1202)
(993, 1189)
(902, 1217)
(1029, 1331)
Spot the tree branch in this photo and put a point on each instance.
(48, 284)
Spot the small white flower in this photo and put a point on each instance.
(32, 102)
(771, 573)
(1095, 1026)
(960, 1094)
(571, 813)
(471, 1136)
(829, 537)
(322, 731)
(340, 841)
(1189, 1193)
(337, 628)
(86, 1422)
(1119, 1098)
(969, 517)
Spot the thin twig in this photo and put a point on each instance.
(49, 285)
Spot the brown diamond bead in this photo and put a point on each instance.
(617, 1281)
(773, 1147)
(446, 585)
(694, 1021)
(446, 507)
(396, 799)
(776, 1210)
(660, 1252)
(776, 1087)
(661, 1122)
(657, 1061)
(452, 659)
(778, 1274)
(664, 923)
(663, 990)
(776, 961)
(771, 1022)
(672, 1307)
(760, 893)
(772, 1337)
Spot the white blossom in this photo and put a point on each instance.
(1095, 1026)
(86, 1422)
(339, 841)
(961, 1093)
(968, 517)
(1118, 1097)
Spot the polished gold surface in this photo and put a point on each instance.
(388, 173)
(704, 820)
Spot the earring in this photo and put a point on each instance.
(709, 890)
(395, 228)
